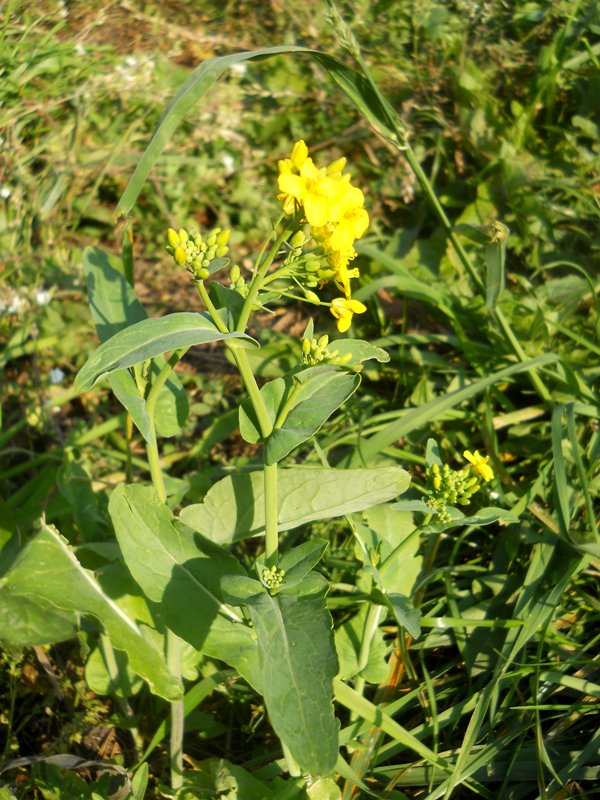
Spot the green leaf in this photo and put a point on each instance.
(298, 663)
(299, 561)
(359, 350)
(485, 516)
(405, 613)
(374, 108)
(416, 418)
(25, 621)
(233, 508)
(348, 639)
(114, 306)
(46, 570)
(147, 339)
(100, 681)
(299, 404)
(183, 572)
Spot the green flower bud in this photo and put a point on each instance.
(203, 274)
(222, 251)
(305, 346)
(183, 235)
(323, 340)
(234, 273)
(298, 239)
(223, 237)
(172, 237)
(212, 239)
(312, 297)
(198, 240)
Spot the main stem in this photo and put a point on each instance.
(266, 426)
(173, 643)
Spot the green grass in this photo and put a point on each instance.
(498, 696)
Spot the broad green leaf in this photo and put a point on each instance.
(405, 613)
(147, 339)
(182, 572)
(26, 621)
(359, 350)
(416, 418)
(233, 508)
(348, 640)
(299, 404)
(485, 516)
(46, 570)
(100, 681)
(114, 306)
(299, 561)
(298, 664)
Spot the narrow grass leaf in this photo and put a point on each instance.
(422, 415)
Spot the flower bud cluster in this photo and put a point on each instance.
(195, 252)
(316, 351)
(272, 577)
(449, 487)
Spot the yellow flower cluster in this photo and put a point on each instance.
(334, 209)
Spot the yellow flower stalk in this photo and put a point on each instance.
(479, 464)
(343, 309)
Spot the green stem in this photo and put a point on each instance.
(271, 514)
(266, 427)
(173, 643)
(262, 268)
(177, 714)
(373, 618)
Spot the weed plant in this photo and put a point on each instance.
(473, 129)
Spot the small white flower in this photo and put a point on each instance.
(494, 495)
(16, 304)
(228, 161)
(131, 61)
(239, 69)
(5, 192)
(56, 375)
(80, 49)
(42, 297)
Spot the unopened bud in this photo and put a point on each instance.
(234, 273)
(323, 340)
(223, 237)
(172, 237)
(305, 346)
(298, 239)
(183, 235)
(179, 256)
(222, 251)
(312, 297)
(212, 239)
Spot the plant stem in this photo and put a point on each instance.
(262, 268)
(177, 714)
(372, 620)
(266, 426)
(173, 643)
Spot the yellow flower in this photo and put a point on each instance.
(343, 309)
(479, 464)
(312, 189)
